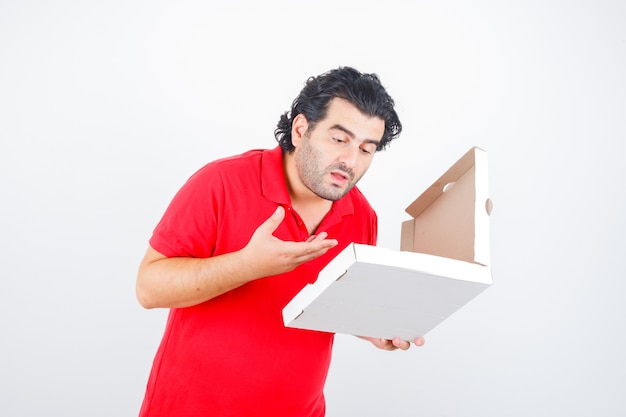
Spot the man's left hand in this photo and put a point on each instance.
(394, 344)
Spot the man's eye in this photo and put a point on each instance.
(368, 148)
(339, 140)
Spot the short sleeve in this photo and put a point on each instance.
(189, 224)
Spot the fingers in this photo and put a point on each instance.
(395, 343)
(312, 248)
(271, 224)
(321, 236)
(387, 344)
(398, 343)
(273, 256)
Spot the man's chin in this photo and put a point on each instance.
(335, 193)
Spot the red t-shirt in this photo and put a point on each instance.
(232, 355)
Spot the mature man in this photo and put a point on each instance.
(242, 237)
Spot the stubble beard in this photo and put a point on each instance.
(312, 174)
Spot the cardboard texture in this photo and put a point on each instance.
(442, 264)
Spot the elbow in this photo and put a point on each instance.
(144, 296)
(144, 300)
(148, 289)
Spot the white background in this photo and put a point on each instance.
(107, 107)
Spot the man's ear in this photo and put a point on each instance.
(298, 128)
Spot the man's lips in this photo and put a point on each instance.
(340, 177)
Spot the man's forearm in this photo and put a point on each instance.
(183, 282)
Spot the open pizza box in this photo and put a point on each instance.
(443, 263)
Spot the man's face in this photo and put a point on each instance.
(333, 156)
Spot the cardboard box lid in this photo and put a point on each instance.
(451, 218)
(443, 264)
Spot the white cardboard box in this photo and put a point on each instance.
(442, 264)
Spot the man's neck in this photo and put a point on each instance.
(309, 206)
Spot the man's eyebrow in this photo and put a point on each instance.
(352, 135)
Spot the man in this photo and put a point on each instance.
(242, 237)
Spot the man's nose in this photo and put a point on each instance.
(349, 156)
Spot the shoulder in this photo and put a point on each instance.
(250, 159)
(223, 169)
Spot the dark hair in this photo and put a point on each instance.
(362, 90)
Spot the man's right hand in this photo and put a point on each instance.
(272, 256)
(184, 281)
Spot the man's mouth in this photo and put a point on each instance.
(340, 177)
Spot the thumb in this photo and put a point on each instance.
(274, 220)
